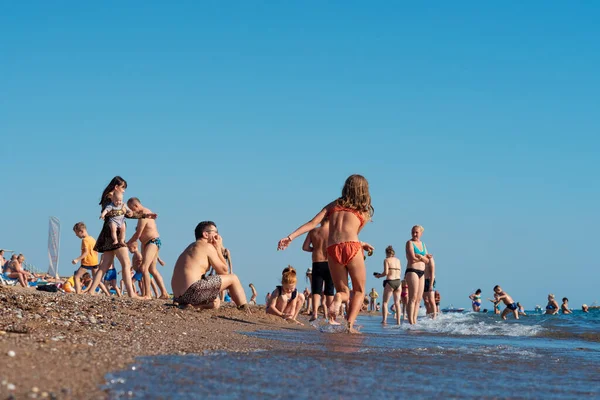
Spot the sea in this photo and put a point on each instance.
(457, 355)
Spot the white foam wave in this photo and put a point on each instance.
(469, 325)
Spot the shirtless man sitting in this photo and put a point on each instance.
(190, 283)
(147, 232)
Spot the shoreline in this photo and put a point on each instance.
(65, 344)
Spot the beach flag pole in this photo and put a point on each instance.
(53, 246)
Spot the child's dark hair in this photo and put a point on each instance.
(496, 287)
(478, 291)
(79, 226)
(288, 276)
(565, 299)
(203, 227)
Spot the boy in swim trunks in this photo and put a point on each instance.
(316, 244)
(508, 302)
(147, 232)
(191, 284)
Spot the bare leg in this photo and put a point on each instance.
(107, 259)
(316, 303)
(122, 233)
(504, 313)
(77, 279)
(415, 288)
(154, 287)
(150, 251)
(358, 275)
(159, 280)
(339, 274)
(123, 257)
(113, 233)
(387, 292)
(236, 291)
(397, 294)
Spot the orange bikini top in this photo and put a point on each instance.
(358, 214)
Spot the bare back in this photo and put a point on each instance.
(393, 268)
(344, 226)
(190, 266)
(318, 239)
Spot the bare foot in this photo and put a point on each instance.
(122, 243)
(164, 297)
(383, 322)
(146, 298)
(115, 242)
(312, 319)
(353, 331)
(334, 308)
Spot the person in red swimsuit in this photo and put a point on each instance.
(347, 216)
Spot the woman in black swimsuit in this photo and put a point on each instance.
(416, 260)
(391, 284)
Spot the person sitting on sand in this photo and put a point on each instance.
(285, 300)
(584, 308)
(564, 307)
(552, 306)
(254, 294)
(521, 309)
(347, 216)
(191, 286)
(508, 302)
(476, 300)
(14, 270)
(392, 271)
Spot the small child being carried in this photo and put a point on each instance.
(118, 210)
(286, 301)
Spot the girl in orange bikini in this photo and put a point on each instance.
(347, 216)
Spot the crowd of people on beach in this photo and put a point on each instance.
(203, 274)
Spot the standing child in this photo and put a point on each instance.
(347, 215)
(116, 211)
(285, 300)
(111, 279)
(88, 257)
(508, 302)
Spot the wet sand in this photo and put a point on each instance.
(56, 345)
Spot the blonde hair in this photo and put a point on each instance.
(419, 227)
(355, 195)
(389, 251)
(551, 295)
(288, 276)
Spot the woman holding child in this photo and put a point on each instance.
(106, 242)
(347, 215)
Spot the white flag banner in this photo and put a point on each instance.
(53, 246)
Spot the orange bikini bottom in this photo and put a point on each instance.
(343, 253)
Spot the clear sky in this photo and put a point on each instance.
(478, 121)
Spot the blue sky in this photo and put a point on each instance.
(477, 121)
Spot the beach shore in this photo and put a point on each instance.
(55, 345)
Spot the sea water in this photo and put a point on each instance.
(455, 356)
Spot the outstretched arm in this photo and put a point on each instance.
(312, 224)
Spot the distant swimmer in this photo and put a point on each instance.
(347, 216)
(286, 301)
(496, 303)
(552, 307)
(508, 302)
(392, 285)
(521, 309)
(564, 307)
(476, 300)
(584, 308)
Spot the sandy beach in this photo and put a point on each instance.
(54, 345)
